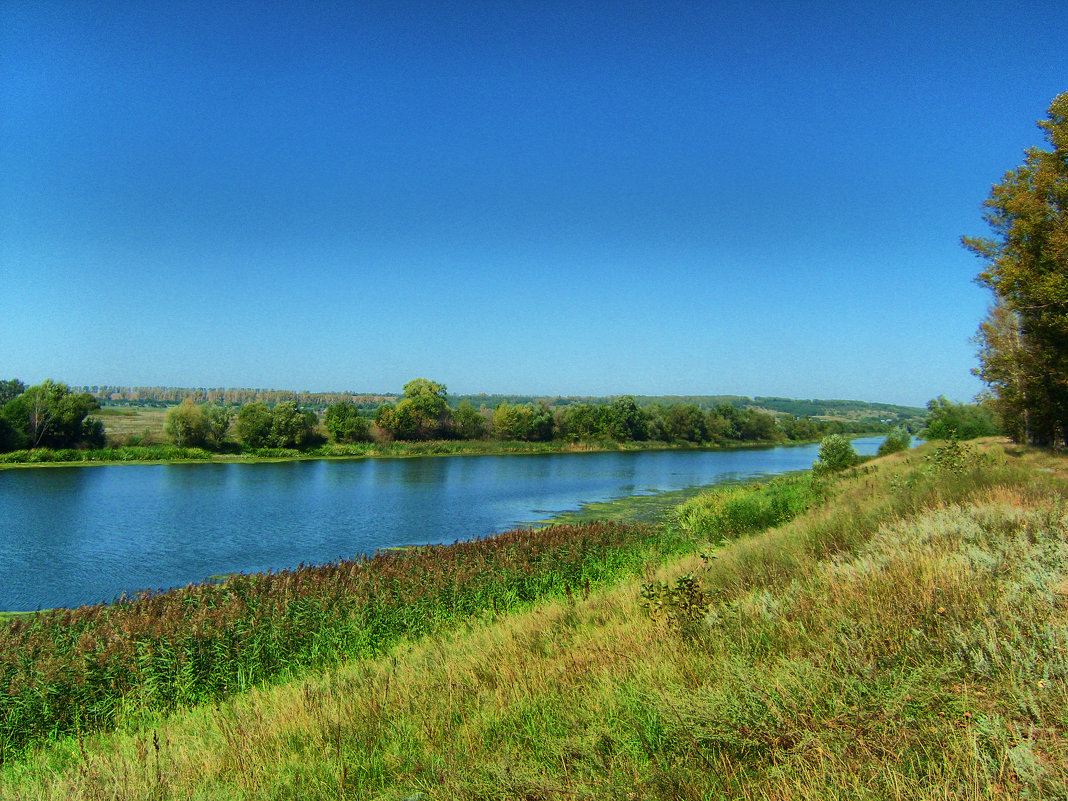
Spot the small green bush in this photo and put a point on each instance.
(897, 440)
(836, 454)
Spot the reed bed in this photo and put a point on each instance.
(69, 672)
(124, 453)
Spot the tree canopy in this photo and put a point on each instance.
(49, 415)
(1024, 340)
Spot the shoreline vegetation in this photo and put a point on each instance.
(895, 629)
(52, 424)
(163, 454)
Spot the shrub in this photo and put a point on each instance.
(897, 440)
(836, 453)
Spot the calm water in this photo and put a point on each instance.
(79, 535)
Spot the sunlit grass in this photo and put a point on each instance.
(905, 638)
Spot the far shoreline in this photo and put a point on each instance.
(141, 455)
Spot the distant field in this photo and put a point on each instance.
(125, 422)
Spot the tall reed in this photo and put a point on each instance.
(66, 672)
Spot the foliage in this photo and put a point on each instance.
(949, 420)
(69, 671)
(1024, 340)
(10, 389)
(583, 422)
(625, 421)
(525, 422)
(904, 641)
(836, 453)
(725, 513)
(253, 425)
(680, 604)
(897, 440)
(467, 423)
(685, 422)
(345, 423)
(49, 415)
(954, 457)
(219, 419)
(425, 407)
(187, 425)
(291, 427)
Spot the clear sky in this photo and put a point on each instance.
(593, 198)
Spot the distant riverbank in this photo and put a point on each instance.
(166, 454)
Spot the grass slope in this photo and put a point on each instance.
(906, 637)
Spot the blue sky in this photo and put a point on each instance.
(756, 198)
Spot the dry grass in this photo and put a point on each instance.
(906, 640)
(133, 424)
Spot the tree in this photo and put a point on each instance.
(343, 422)
(584, 421)
(686, 422)
(523, 421)
(219, 418)
(424, 409)
(187, 424)
(897, 440)
(949, 420)
(254, 424)
(627, 422)
(49, 415)
(467, 423)
(1024, 341)
(291, 427)
(836, 453)
(395, 421)
(9, 390)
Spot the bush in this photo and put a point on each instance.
(836, 453)
(949, 420)
(897, 440)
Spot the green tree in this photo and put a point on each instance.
(1024, 341)
(11, 389)
(49, 415)
(897, 440)
(523, 421)
(291, 427)
(345, 424)
(584, 421)
(395, 421)
(467, 423)
(254, 424)
(949, 420)
(836, 453)
(187, 425)
(757, 426)
(423, 412)
(626, 421)
(686, 422)
(219, 418)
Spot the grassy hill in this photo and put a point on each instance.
(898, 631)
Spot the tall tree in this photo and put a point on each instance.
(187, 424)
(49, 415)
(1024, 341)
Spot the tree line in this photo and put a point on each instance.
(51, 415)
(423, 412)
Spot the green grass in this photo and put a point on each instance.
(904, 636)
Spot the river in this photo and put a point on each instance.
(81, 535)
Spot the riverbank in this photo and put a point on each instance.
(902, 638)
(167, 454)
